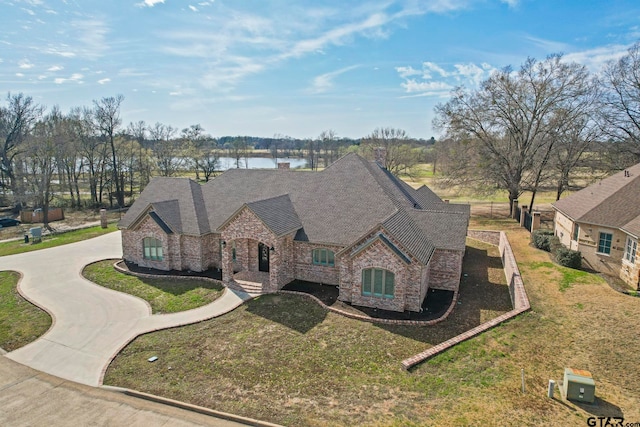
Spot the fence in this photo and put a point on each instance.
(31, 216)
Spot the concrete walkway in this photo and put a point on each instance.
(32, 398)
(91, 323)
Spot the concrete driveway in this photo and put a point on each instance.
(90, 323)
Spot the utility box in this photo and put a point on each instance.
(578, 385)
(36, 234)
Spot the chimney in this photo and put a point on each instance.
(284, 165)
(381, 156)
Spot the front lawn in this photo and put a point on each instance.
(284, 359)
(20, 321)
(49, 241)
(164, 294)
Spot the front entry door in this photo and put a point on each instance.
(263, 257)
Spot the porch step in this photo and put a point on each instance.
(248, 286)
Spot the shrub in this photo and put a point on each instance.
(555, 245)
(542, 239)
(569, 258)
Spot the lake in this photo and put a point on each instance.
(261, 162)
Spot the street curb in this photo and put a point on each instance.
(189, 407)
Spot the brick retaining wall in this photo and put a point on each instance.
(516, 290)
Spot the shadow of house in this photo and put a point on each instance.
(483, 288)
(285, 310)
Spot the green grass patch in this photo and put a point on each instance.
(20, 321)
(18, 246)
(165, 295)
(568, 276)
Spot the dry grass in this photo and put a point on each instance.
(283, 358)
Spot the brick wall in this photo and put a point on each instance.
(445, 269)
(492, 237)
(211, 256)
(588, 246)
(132, 250)
(247, 230)
(306, 270)
(630, 273)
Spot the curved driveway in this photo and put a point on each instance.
(91, 323)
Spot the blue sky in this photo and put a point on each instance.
(250, 67)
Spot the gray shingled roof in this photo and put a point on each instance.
(613, 202)
(277, 213)
(336, 206)
(177, 201)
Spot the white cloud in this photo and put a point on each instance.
(412, 86)
(19, 75)
(75, 77)
(471, 72)
(104, 81)
(59, 52)
(193, 8)
(407, 71)
(324, 82)
(511, 3)
(25, 64)
(435, 80)
(149, 3)
(595, 59)
(429, 67)
(549, 46)
(91, 33)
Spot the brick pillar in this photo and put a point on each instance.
(535, 224)
(284, 165)
(103, 218)
(514, 207)
(522, 212)
(227, 263)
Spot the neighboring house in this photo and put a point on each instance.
(353, 225)
(603, 222)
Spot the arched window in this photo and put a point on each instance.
(378, 282)
(324, 257)
(152, 248)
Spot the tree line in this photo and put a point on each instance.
(540, 125)
(89, 159)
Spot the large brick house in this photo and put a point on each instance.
(603, 222)
(353, 225)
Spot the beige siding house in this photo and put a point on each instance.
(353, 225)
(603, 222)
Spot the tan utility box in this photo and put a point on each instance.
(578, 385)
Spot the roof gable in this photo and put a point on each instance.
(613, 202)
(277, 213)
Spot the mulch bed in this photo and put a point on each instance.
(434, 305)
(134, 268)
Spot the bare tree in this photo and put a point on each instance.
(399, 154)
(40, 159)
(165, 149)
(513, 118)
(107, 116)
(16, 121)
(192, 140)
(138, 130)
(621, 105)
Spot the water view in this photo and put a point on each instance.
(261, 162)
